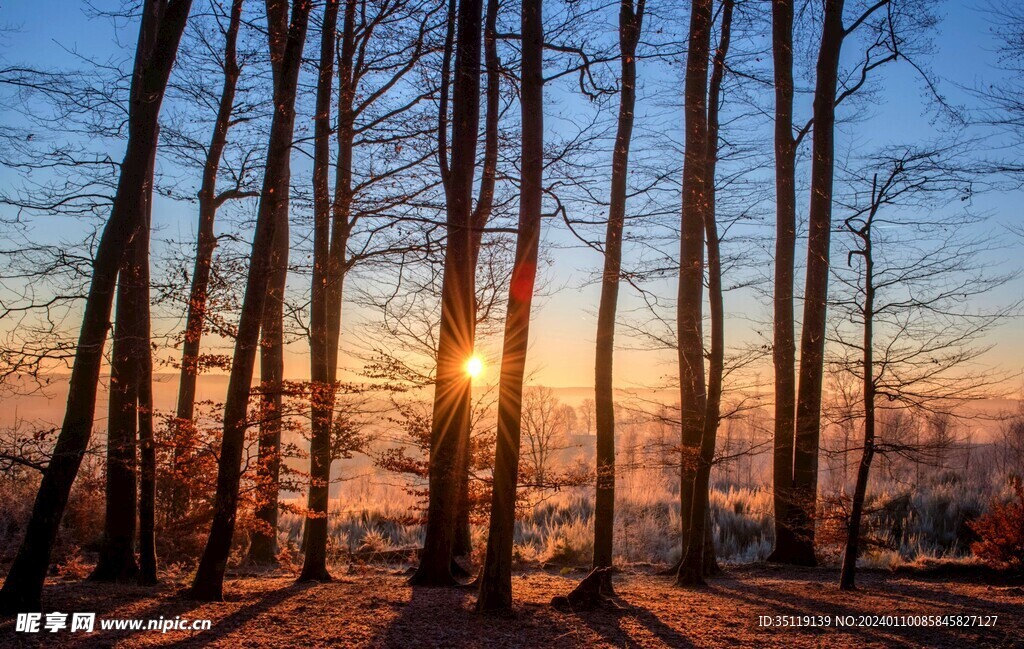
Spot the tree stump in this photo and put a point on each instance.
(589, 594)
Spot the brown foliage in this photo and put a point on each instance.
(1002, 532)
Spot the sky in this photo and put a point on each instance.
(47, 32)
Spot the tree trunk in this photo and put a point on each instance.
(716, 366)
(481, 215)
(630, 25)
(693, 398)
(208, 582)
(205, 245)
(784, 348)
(341, 212)
(849, 572)
(812, 342)
(321, 403)
(129, 419)
(450, 423)
(117, 554)
(147, 478)
(496, 580)
(147, 445)
(263, 544)
(162, 25)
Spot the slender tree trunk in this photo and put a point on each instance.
(117, 554)
(342, 218)
(784, 347)
(693, 398)
(163, 22)
(321, 403)
(263, 543)
(147, 478)
(147, 445)
(496, 580)
(336, 263)
(812, 342)
(208, 582)
(630, 25)
(716, 366)
(849, 572)
(128, 420)
(205, 245)
(450, 423)
(481, 214)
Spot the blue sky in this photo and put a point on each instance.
(42, 32)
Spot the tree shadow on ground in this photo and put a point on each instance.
(607, 623)
(246, 613)
(445, 617)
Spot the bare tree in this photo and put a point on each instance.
(630, 25)
(209, 201)
(496, 578)
(889, 30)
(380, 47)
(689, 317)
(783, 346)
(129, 417)
(451, 416)
(546, 422)
(1011, 443)
(716, 306)
(910, 276)
(208, 582)
(481, 215)
(1006, 98)
(162, 24)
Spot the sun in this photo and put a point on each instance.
(474, 366)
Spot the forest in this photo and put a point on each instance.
(512, 323)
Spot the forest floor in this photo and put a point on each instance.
(374, 607)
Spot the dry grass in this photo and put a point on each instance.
(368, 607)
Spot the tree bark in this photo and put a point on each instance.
(693, 398)
(630, 25)
(812, 342)
(147, 478)
(481, 215)
(263, 543)
(205, 246)
(716, 307)
(147, 444)
(163, 22)
(117, 554)
(208, 582)
(263, 539)
(450, 423)
(130, 421)
(496, 580)
(321, 401)
(847, 578)
(784, 347)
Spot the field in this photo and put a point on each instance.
(373, 607)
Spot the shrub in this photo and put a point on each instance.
(1001, 531)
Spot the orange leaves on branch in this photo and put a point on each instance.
(1002, 532)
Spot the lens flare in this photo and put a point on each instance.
(474, 366)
